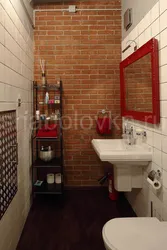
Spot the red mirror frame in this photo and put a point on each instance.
(154, 117)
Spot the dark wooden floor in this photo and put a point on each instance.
(73, 224)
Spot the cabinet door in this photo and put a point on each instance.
(8, 159)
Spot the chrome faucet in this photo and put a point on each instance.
(128, 135)
(131, 138)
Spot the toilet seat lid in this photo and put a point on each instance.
(135, 234)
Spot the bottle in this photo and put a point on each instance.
(37, 115)
(139, 136)
(43, 79)
(46, 98)
(58, 114)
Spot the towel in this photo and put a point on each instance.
(104, 126)
(48, 131)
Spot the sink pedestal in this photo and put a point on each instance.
(128, 161)
(127, 177)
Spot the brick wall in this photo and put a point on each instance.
(84, 49)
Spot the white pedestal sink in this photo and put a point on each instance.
(128, 161)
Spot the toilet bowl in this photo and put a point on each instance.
(135, 234)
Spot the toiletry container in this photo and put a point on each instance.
(43, 79)
(139, 136)
(37, 115)
(58, 178)
(46, 98)
(50, 178)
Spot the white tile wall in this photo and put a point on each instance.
(16, 75)
(163, 6)
(162, 56)
(157, 139)
(164, 144)
(163, 36)
(163, 19)
(154, 24)
(155, 28)
(163, 72)
(155, 12)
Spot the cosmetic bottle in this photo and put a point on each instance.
(47, 98)
(43, 79)
(37, 115)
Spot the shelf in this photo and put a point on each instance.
(41, 168)
(51, 103)
(48, 87)
(47, 138)
(55, 163)
(48, 121)
(34, 137)
(48, 189)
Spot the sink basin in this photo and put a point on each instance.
(116, 151)
(128, 161)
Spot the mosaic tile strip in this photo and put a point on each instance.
(8, 159)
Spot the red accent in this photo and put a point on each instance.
(104, 126)
(154, 117)
(113, 193)
(48, 131)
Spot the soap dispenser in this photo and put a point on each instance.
(131, 138)
(124, 135)
(139, 136)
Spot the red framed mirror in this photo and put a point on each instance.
(139, 81)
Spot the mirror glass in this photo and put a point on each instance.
(138, 82)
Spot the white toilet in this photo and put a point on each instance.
(135, 234)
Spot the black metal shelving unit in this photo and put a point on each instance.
(40, 168)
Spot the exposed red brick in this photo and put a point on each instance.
(84, 49)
